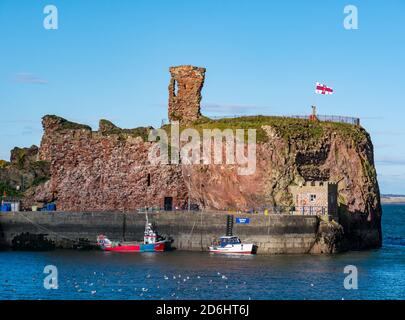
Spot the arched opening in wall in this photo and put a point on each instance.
(175, 88)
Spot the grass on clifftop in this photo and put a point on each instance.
(287, 128)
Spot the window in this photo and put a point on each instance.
(148, 180)
(312, 197)
(175, 88)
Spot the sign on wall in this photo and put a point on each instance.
(242, 220)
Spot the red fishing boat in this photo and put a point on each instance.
(152, 242)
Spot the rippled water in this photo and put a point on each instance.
(181, 275)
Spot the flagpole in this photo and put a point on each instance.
(315, 98)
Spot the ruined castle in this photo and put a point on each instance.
(108, 169)
(185, 93)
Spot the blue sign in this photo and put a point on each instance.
(242, 220)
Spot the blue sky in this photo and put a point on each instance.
(110, 59)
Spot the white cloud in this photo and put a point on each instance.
(24, 77)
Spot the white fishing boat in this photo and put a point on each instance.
(233, 245)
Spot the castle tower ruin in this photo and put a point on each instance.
(185, 93)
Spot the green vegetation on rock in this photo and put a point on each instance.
(108, 128)
(20, 155)
(9, 191)
(67, 125)
(3, 164)
(39, 180)
(369, 171)
(287, 128)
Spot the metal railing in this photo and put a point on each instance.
(323, 118)
(331, 118)
(10, 199)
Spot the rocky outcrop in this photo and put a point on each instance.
(291, 151)
(21, 176)
(105, 170)
(109, 169)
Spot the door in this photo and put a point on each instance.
(168, 203)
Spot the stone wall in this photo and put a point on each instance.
(104, 171)
(316, 197)
(273, 234)
(185, 93)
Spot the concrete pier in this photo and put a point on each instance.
(274, 234)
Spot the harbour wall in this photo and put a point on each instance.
(194, 231)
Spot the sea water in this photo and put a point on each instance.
(194, 275)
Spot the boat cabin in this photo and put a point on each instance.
(229, 240)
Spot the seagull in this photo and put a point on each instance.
(166, 277)
(93, 292)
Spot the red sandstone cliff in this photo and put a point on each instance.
(104, 170)
(110, 171)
